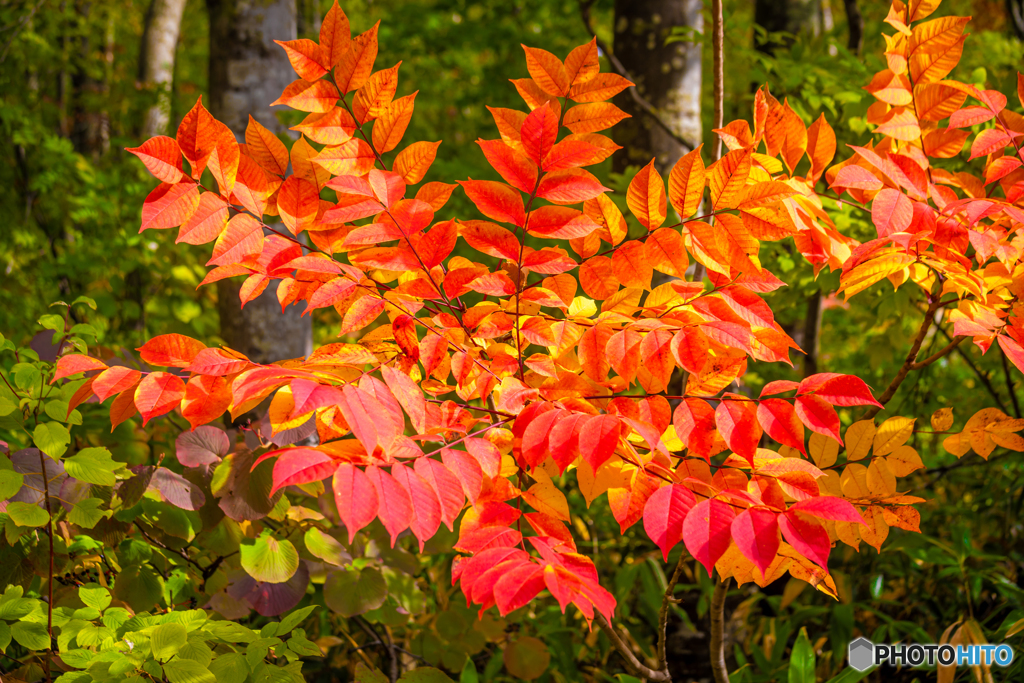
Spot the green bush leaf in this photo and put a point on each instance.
(167, 639)
(30, 635)
(86, 513)
(187, 671)
(94, 596)
(93, 466)
(10, 483)
(52, 438)
(527, 658)
(230, 668)
(5, 636)
(326, 548)
(367, 675)
(350, 592)
(293, 620)
(27, 514)
(269, 559)
(425, 674)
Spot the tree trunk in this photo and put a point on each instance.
(792, 17)
(159, 45)
(855, 26)
(248, 72)
(668, 76)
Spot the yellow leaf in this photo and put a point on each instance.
(612, 474)
(942, 419)
(904, 460)
(859, 438)
(545, 497)
(880, 479)
(957, 444)
(854, 482)
(875, 533)
(872, 271)
(823, 449)
(892, 434)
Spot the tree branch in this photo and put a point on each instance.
(640, 101)
(666, 601)
(939, 354)
(718, 631)
(638, 667)
(718, 69)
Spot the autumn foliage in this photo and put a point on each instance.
(565, 345)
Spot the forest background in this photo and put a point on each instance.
(80, 81)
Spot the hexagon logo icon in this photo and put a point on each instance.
(861, 654)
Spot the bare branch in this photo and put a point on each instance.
(718, 629)
(639, 668)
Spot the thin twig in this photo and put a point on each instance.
(641, 102)
(718, 667)
(639, 668)
(49, 579)
(1009, 382)
(666, 601)
(718, 59)
(939, 354)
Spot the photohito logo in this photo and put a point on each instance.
(863, 654)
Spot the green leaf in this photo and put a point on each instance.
(229, 632)
(167, 639)
(469, 674)
(140, 587)
(5, 636)
(30, 635)
(269, 559)
(304, 647)
(293, 620)
(7, 406)
(52, 321)
(93, 466)
(27, 514)
(527, 658)
(350, 592)
(326, 548)
(802, 660)
(85, 301)
(230, 668)
(10, 483)
(94, 596)
(367, 675)
(52, 438)
(425, 674)
(850, 675)
(187, 671)
(86, 513)
(78, 658)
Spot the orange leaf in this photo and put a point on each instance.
(265, 148)
(335, 35)
(646, 197)
(631, 267)
(241, 240)
(332, 128)
(74, 363)
(306, 57)
(686, 183)
(547, 71)
(158, 393)
(162, 157)
(356, 64)
(298, 202)
(390, 127)
(597, 278)
(728, 178)
(413, 162)
(373, 99)
(318, 96)
(206, 398)
(197, 137)
(496, 200)
(354, 157)
(592, 352)
(821, 146)
(599, 88)
(170, 350)
(538, 133)
(511, 165)
(363, 312)
(570, 187)
(590, 118)
(664, 250)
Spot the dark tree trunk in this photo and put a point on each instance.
(248, 72)
(791, 17)
(668, 76)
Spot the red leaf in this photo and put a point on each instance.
(538, 134)
(466, 469)
(570, 186)
(447, 487)
(847, 390)
(598, 439)
(690, 349)
(168, 206)
(563, 442)
(207, 222)
(1013, 350)
(171, 350)
(75, 363)
(664, 514)
(706, 531)
(807, 538)
(361, 412)
(487, 454)
(780, 421)
(162, 157)
(737, 422)
(425, 505)
(217, 362)
(829, 507)
(756, 532)
(779, 386)
(891, 211)
(694, 420)
(206, 399)
(496, 200)
(818, 415)
(113, 381)
(511, 165)
(356, 498)
(197, 137)
(301, 466)
(158, 393)
(394, 506)
(241, 240)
